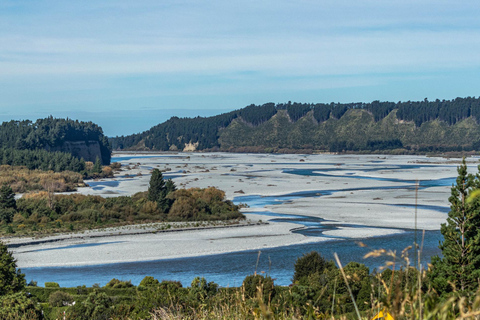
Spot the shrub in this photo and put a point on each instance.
(19, 307)
(116, 284)
(149, 281)
(59, 299)
(51, 285)
(253, 283)
(307, 265)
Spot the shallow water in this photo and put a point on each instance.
(230, 269)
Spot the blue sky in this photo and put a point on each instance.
(128, 65)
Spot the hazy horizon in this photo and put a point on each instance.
(130, 65)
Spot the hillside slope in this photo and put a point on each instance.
(448, 125)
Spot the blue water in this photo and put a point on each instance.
(231, 268)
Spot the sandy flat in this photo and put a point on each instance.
(349, 192)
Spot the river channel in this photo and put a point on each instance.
(229, 269)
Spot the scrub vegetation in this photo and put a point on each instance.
(45, 212)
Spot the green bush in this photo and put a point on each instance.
(149, 281)
(59, 299)
(307, 265)
(51, 285)
(252, 284)
(118, 284)
(19, 307)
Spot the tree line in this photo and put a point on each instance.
(176, 132)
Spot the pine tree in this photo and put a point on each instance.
(170, 186)
(11, 280)
(97, 167)
(460, 265)
(7, 198)
(156, 189)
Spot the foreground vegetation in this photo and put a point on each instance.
(321, 289)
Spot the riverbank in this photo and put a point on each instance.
(362, 196)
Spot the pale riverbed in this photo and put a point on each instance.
(346, 197)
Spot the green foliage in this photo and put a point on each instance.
(422, 126)
(164, 295)
(254, 284)
(43, 210)
(149, 281)
(156, 188)
(306, 265)
(50, 134)
(460, 266)
(42, 160)
(7, 197)
(201, 290)
(11, 279)
(19, 307)
(97, 306)
(117, 284)
(51, 285)
(59, 299)
(7, 204)
(201, 204)
(97, 168)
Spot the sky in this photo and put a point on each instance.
(129, 65)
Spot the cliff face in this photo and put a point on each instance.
(88, 150)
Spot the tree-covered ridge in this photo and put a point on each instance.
(51, 133)
(417, 125)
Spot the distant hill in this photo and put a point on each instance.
(420, 126)
(81, 139)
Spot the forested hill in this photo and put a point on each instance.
(447, 125)
(81, 139)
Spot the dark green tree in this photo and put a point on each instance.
(11, 279)
(460, 265)
(170, 186)
(97, 167)
(308, 264)
(7, 197)
(7, 203)
(159, 189)
(156, 189)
